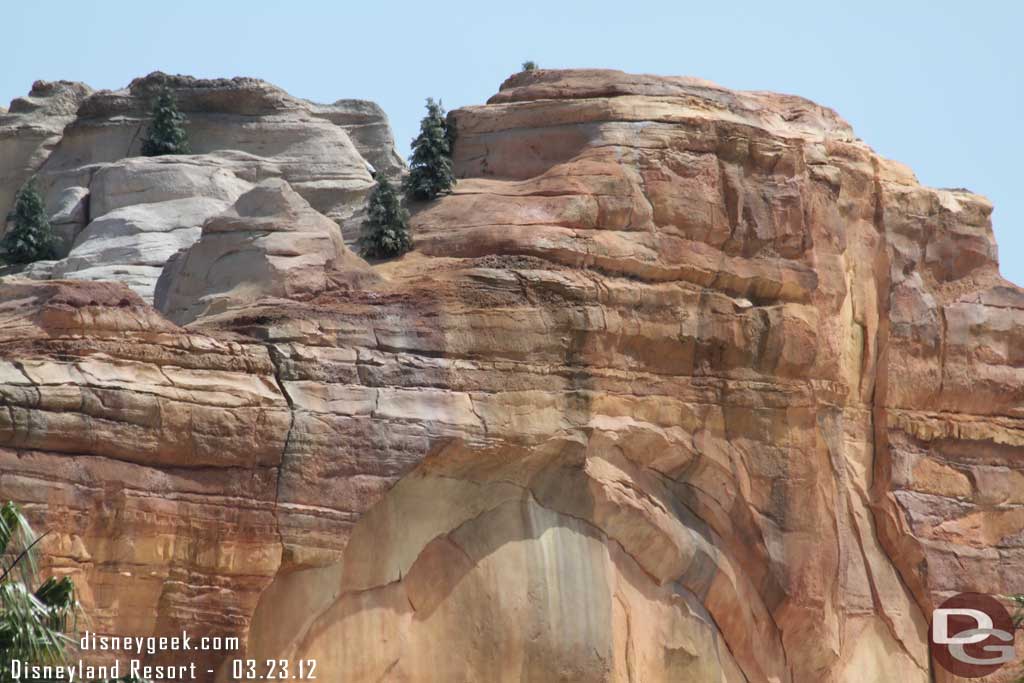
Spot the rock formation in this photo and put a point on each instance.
(680, 384)
(271, 243)
(242, 131)
(244, 114)
(141, 211)
(368, 129)
(30, 129)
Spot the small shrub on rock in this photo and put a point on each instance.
(386, 233)
(530, 65)
(430, 166)
(166, 133)
(31, 237)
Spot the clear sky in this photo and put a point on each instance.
(937, 85)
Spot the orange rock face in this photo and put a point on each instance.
(680, 384)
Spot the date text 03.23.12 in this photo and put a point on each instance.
(273, 670)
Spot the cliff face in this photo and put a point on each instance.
(680, 383)
(30, 129)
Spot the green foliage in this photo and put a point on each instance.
(450, 133)
(1018, 619)
(32, 623)
(386, 232)
(530, 65)
(430, 166)
(31, 238)
(166, 133)
(1018, 613)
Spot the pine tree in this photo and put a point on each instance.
(31, 238)
(386, 232)
(166, 133)
(430, 166)
(530, 65)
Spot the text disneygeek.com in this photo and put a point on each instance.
(129, 657)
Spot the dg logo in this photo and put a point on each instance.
(972, 635)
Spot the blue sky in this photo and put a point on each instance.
(937, 85)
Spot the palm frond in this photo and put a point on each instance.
(26, 627)
(17, 544)
(32, 623)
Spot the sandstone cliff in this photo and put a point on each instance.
(680, 384)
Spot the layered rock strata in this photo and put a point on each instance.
(680, 383)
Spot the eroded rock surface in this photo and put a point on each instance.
(30, 129)
(143, 211)
(155, 452)
(680, 384)
(84, 149)
(271, 243)
(242, 114)
(368, 129)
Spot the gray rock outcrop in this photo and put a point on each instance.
(271, 243)
(368, 128)
(30, 129)
(317, 157)
(143, 211)
(120, 216)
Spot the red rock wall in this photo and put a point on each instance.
(679, 384)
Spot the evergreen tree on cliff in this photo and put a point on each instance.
(166, 133)
(386, 233)
(31, 238)
(430, 166)
(33, 623)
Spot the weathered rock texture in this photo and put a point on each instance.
(271, 243)
(368, 129)
(143, 211)
(155, 452)
(242, 131)
(30, 129)
(244, 114)
(680, 384)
